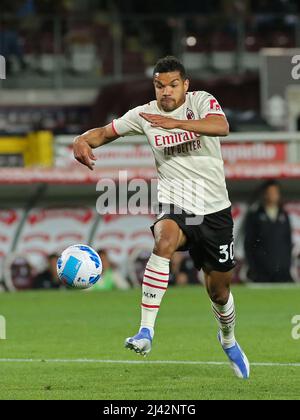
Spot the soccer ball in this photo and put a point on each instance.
(79, 267)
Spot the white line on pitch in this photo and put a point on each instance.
(149, 362)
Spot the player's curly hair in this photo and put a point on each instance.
(169, 64)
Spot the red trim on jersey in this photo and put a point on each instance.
(217, 115)
(114, 129)
(155, 287)
(156, 272)
(150, 306)
(153, 278)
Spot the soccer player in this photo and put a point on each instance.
(183, 130)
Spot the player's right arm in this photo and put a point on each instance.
(83, 145)
(129, 124)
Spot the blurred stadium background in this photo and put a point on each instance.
(74, 65)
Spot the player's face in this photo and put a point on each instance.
(170, 90)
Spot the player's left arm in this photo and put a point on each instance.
(212, 125)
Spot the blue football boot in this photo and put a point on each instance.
(238, 360)
(140, 343)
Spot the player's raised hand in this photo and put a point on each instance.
(83, 153)
(160, 121)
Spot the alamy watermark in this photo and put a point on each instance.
(2, 328)
(2, 68)
(296, 68)
(296, 328)
(139, 197)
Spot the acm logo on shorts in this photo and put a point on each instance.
(2, 68)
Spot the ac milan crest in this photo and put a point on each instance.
(190, 114)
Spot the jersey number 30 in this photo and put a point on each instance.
(227, 251)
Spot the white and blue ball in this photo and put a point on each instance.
(79, 267)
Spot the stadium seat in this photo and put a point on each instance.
(133, 63)
(223, 51)
(195, 60)
(83, 58)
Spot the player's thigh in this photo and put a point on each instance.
(168, 236)
(218, 267)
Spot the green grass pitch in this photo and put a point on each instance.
(64, 326)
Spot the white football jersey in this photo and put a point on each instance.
(190, 166)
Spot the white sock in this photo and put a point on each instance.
(155, 284)
(225, 316)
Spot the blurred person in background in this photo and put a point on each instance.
(268, 238)
(18, 272)
(182, 271)
(177, 276)
(10, 45)
(111, 277)
(137, 263)
(48, 279)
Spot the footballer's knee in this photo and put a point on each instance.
(166, 234)
(218, 287)
(219, 297)
(165, 247)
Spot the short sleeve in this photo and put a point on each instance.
(130, 124)
(207, 105)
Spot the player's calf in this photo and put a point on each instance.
(218, 287)
(155, 283)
